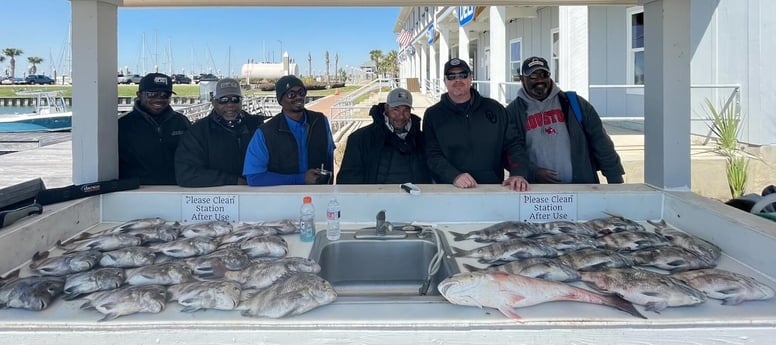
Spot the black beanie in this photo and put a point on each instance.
(285, 83)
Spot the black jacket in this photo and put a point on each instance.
(591, 147)
(147, 145)
(371, 151)
(211, 154)
(474, 140)
(282, 146)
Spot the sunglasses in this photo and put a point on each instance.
(293, 94)
(157, 94)
(454, 76)
(229, 99)
(539, 75)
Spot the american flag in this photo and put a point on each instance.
(404, 38)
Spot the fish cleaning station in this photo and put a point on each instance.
(409, 267)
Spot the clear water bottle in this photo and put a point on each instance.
(333, 220)
(307, 220)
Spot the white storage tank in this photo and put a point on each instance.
(268, 70)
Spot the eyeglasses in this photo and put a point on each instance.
(157, 94)
(229, 99)
(293, 94)
(539, 75)
(454, 76)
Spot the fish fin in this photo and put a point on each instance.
(70, 296)
(658, 225)
(40, 256)
(472, 268)
(109, 316)
(655, 306)
(13, 274)
(458, 236)
(677, 263)
(509, 312)
(620, 303)
(458, 252)
(733, 300)
(190, 309)
(87, 305)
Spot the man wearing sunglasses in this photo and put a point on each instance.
(212, 152)
(561, 149)
(388, 151)
(468, 135)
(149, 134)
(293, 146)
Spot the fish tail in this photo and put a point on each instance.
(660, 225)
(472, 268)
(458, 252)
(458, 236)
(621, 304)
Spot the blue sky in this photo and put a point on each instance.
(206, 38)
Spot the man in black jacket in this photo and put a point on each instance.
(390, 150)
(468, 135)
(560, 148)
(212, 152)
(149, 134)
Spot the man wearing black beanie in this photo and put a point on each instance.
(293, 146)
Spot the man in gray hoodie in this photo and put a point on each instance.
(561, 148)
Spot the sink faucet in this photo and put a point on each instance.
(381, 226)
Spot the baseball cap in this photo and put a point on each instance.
(285, 83)
(399, 96)
(533, 64)
(456, 62)
(155, 82)
(227, 87)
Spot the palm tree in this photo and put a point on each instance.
(336, 63)
(11, 53)
(376, 55)
(34, 60)
(309, 64)
(390, 62)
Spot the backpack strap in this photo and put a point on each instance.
(574, 102)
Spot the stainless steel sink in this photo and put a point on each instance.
(374, 266)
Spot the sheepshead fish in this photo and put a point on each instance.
(128, 300)
(194, 296)
(271, 246)
(692, 243)
(569, 242)
(187, 247)
(207, 229)
(64, 264)
(233, 259)
(91, 281)
(298, 294)
(653, 290)
(103, 243)
(261, 274)
(168, 273)
(141, 223)
(508, 251)
(505, 292)
(543, 268)
(672, 259)
(500, 232)
(128, 257)
(160, 233)
(31, 293)
(634, 240)
(566, 227)
(301, 264)
(591, 259)
(283, 226)
(246, 231)
(612, 224)
(732, 288)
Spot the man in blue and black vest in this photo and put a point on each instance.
(291, 147)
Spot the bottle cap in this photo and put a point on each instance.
(307, 200)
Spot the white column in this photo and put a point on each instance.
(667, 94)
(423, 75)
(95, 105)
(463, 44)
(433, 69)
(498, 53)
(444, 50)
(573, 59)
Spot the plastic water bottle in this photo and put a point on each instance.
(333, 220)
(307, 220)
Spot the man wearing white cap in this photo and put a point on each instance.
(212, 152)
(388, 151)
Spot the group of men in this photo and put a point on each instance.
(544, 136)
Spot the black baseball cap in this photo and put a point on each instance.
(156, 82)
(456, 62)
(533, 64)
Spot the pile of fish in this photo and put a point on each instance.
(531, 263)
(141, 265)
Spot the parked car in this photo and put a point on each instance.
(39, 79)
(6, 81)
(134, 79)
(205, 77)
(122, 79)
(180, 79)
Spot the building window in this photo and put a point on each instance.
(554, 65)
(635, 45)
(515, 57)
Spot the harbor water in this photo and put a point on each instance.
(15, 110)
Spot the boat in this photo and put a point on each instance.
(51, 114)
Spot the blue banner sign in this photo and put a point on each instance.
(465, 14)
(431, 34)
